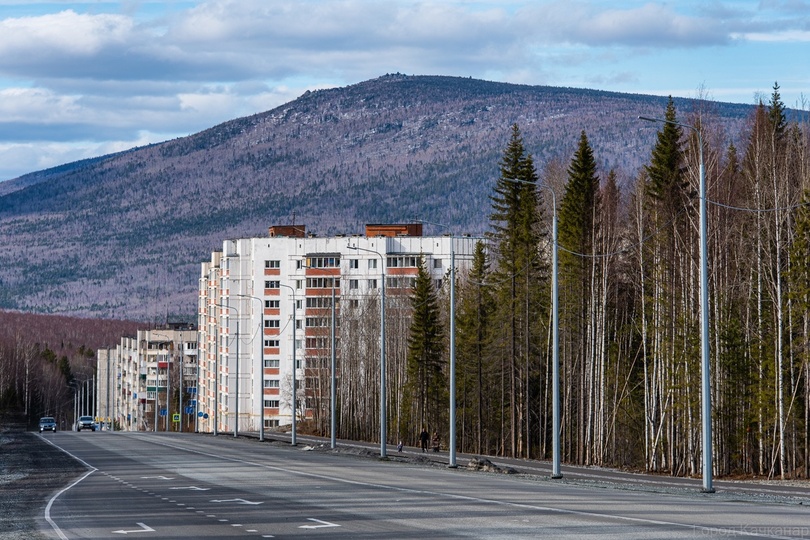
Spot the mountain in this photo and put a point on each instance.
(122, 236)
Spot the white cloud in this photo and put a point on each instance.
(66, 33)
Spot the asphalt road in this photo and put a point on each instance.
(166, 486)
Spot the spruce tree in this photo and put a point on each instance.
(478, 418)
(520, 278)
(426, 387)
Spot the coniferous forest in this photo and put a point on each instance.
(629, 310)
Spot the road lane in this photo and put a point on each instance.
(194, 486)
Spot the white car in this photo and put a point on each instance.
(86, 422)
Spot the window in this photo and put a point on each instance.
(298, 304)
(437, 263)
(319, 343)
(299, 265)
(323, 262)
(323, 283)
(268, 423)
(272, 323)
(271, 404)
(299, 283)
(400, 282)
(352, 283)
(271, 343)
(372, 284)
(438, 283)
(272, 284)
(271, 362)
(271, 383)
(298, 324)
(372, 263)
(354, 303)
(272, 264)
(317, 322)
(272, 304)
(321, 302)
(354, 263)
(403, 261)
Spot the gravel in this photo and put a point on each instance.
(31, 471)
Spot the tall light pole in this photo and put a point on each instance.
(452, 457)
(333, 385)
(261, 362)
(293, 440)
(705, 393)
(383, 413)
(556, 473)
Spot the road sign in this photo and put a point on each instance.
(162, 412)
(175, 417)
(189, 410)
(200, 414)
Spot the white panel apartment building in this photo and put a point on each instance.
(137, 377)
(267, 300)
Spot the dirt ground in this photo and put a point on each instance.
(31, 471)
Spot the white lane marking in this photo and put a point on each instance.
(143, 528)
(50, 521)
(192, 488)
(239, 501)
(323, 524)
(157, 477)
(691, 526)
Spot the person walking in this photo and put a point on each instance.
(424, 437)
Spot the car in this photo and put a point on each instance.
(47, 423)
(86, 422)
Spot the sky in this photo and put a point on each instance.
(80, 79)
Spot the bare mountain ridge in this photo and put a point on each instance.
(122, 236)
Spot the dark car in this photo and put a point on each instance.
(86, 422)
(47, 423)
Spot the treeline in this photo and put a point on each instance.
(629, 311)
(46, 360)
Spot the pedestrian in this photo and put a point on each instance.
(435, 441)
(424, 437)
(399, 446)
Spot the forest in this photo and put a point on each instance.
(629, 311)
(46, 361)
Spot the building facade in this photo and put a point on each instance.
(140, 387)
(268, 304)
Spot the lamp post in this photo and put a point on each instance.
(383, 414)
(293, 440)
(236, 401)
(261, 362)
(556, 473)
(704, 312)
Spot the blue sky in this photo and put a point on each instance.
(82, 79)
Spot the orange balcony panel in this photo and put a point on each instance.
(271, 371)
(272, 271)
(323, 272)
(271, 331)
(271, 391)
(272, 292)
(401, 271)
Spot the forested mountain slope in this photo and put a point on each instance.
(123, 236)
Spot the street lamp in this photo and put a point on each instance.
(555, 325)
(383, 415)
(261, 362)
(293, 440)
(705, 393)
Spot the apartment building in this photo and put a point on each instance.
(140, 387)
(269, 308)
